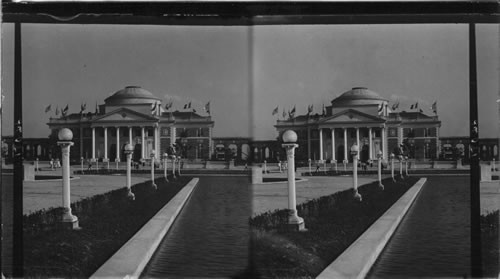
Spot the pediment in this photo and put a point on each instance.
(125, 115)
(352, 116)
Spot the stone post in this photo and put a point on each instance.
(117, 160)
(179, 166)
(81, 163)
(354, 153)
(152, 155)
(310, 173)
(129, 149)
(289, 139)
(165, 162)
(392, 167)
(401, 166)
(36, 165)
(379, 156)
(406, 166)
(265, 166)
(173, 166)
(69, 221)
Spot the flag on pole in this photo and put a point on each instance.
(421, 111)
(380, 109)
(395, 106)
(57, 110)
(434, 107)
(65, 110)
(83, 107)
(275, 110)
(154, 108)
(48, 108)
(415, 106)
(324, 110)
(284, 113)
(309, 109)
(96, 108)
(207, 107)
(168, 105)
(189, 105)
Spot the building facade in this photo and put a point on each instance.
(134, 115)
(362, 116)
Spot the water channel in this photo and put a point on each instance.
(433, 240)
(210, 238)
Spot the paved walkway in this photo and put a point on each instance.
(272, 196)
(44, 194)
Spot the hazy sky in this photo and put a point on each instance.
(292, 65)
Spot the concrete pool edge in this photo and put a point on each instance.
(357, 259)
(131, 259)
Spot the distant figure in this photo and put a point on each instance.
(90, 164)
(279, 166)
(317, 168)
(364, 166)
(58, 163)
(51, 163)
(246, 166)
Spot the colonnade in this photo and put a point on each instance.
(130, 140)
(371, 154)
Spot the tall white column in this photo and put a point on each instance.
(142, 143)
(118, 143)
(320, 144)
(333, 145)
(65, 137)
(371, 143)
(157, 145)
(293, 218)
(357, 141)
(130, 135)
(93, 142)
(384, 143)
(105, 142)
(345, 145)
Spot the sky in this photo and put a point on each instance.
(245, 72)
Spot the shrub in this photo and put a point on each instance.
(107, 220)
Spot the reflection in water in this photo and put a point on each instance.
(433, 240)
(210, 238)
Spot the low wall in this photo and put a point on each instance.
(131, 259)
(357, 260)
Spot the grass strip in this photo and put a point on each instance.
(108, 221)
(334, 222)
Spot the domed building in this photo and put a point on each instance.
(134, 115)
(362, 116)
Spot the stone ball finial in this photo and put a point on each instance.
(289, 136)
(65, 134)
(129, 147)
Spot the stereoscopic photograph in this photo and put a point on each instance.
(301, 146)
